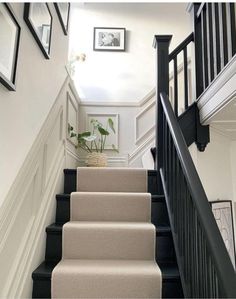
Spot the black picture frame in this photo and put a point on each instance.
(221, 205)
(27, 17)
(9, 80)
(110, 39)
(64, 24)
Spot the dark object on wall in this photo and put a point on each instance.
(9, 46)
(222, 210)
(63, 11)
(39, 20)
(154, 153)
(109, 39)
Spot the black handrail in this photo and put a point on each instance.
(200, 9)
(205, 267)
(181, 46)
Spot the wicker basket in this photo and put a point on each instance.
(96, 160)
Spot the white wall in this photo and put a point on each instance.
(123, 76)
(23, 112)
(132, 141)
(216, 166)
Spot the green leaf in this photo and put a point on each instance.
(84, 134)
(114, 148)
(72, 135)
(111, 125)
(103, 131)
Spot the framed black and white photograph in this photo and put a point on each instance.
(222, 210)
(39, 20)
(63, 12)
(109, 39)
(9, 46)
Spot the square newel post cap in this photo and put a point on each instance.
(161, 39)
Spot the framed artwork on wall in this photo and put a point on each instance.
(39, 20)
(222, 210)
(63, 12)
(9, 46)
(109, 39)
(113, 138)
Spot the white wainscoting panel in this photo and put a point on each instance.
(30, 204)
(145, 121)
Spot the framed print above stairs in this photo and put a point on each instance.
(63, 11)
(9, 46)
(39, 20)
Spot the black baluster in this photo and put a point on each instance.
(175, 86)
(185, 78)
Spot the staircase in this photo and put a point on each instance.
(165, 253)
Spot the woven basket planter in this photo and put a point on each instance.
(96, 160)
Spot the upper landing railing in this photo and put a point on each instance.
(215, 40)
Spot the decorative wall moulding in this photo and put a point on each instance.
(71, 118)
(113, 138)
(9, 41)
(63, 12)
(39, 20)
(109, 39)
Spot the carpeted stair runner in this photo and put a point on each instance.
(109, 244)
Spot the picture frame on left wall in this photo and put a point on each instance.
(63, 12)
(38, 18)
(9, 46)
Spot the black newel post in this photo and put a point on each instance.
(161, 44)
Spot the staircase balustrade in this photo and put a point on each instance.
(215, 40)
(205, 267)
(173, 56)
(204, 263)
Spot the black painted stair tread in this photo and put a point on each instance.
(169, 271)
(69, 171)
(163, 230)
(44, 270)
(54, 228)
(66, 197)
(63, 196)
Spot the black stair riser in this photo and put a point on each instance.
(53, 247)
(42, 288)
(160, 214)
(165, 249)
(172, 289)
(70, 181)
(152, 181)
(63, 210)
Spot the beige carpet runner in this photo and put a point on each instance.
(109, 244)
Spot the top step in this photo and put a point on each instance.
(107, 179)
(70, 181)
